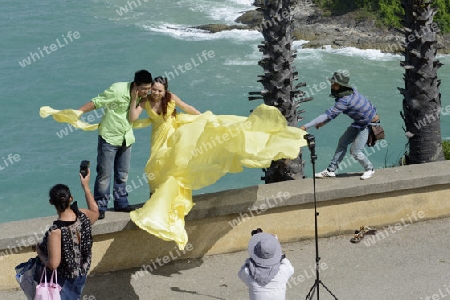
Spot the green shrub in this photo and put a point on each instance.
(446, 149)
(390, 12)
(442, 17)
(362, 15)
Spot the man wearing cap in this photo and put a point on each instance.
(267, 270)
(362, 112)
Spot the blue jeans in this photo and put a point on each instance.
(109, 157)
(357, 136)
(72, 287)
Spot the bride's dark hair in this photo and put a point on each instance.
(167, 96)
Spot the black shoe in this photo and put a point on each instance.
(101, 215)
(125, 209)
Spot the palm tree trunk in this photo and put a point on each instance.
(279, 79)
(422, 99)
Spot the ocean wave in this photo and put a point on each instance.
(237, 62)
(183, 11)
(227, 11)
(182, 32)
(369, 54)
(317, 55)
(243, 2)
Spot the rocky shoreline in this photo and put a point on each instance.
(349, 30)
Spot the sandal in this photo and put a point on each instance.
(369, 230)
(359, 234)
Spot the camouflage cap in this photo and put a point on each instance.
(340, 78)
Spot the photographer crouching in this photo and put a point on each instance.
(267, 270)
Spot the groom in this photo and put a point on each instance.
(115, 138)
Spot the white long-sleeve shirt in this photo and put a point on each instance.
(275, 289)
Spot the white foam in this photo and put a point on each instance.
(226, 14)
(370, 54)
(182, 32)
(226, 11)
(299, 44)
(443, 56)
(231, 62)
(243, 2)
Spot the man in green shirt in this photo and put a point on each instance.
(115, 139)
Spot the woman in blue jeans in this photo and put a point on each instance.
(67, 245)
(361, 111)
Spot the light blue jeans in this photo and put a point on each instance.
(72, 288)
(358, 138)
(111, 157)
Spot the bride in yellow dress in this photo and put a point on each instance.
(193, 150)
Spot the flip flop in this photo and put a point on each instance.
(359, 234)
(369, 230)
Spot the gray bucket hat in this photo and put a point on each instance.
(340, 78)
(265, 249)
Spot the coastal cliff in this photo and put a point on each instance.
(350, 30)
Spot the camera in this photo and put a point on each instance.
(255, 231)
(310, 139)
(84, 165)
(311, 145)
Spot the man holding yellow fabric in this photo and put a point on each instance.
(115, 139)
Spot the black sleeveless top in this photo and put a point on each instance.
(76, 245)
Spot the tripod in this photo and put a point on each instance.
(312, 148)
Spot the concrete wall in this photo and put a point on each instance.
(221, 222)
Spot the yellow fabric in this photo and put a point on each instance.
(193, 151)
(72, 116)
(190, 152)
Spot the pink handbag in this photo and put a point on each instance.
(48, 290)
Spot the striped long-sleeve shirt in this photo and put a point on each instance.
(356, 106)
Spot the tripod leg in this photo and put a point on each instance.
(311, 291)
(328, 290)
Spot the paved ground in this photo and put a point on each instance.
(408, 261)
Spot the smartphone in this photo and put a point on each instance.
(84, 165)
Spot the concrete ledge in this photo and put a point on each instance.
(221, 222)
(301, 192)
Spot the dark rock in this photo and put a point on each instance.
(251, 18)
(213, 28)
(349, 30)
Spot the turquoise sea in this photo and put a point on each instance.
(63, 53)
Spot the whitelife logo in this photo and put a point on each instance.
(46, 50)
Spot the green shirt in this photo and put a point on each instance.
(114, 126)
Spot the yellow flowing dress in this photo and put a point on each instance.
(189, 152)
